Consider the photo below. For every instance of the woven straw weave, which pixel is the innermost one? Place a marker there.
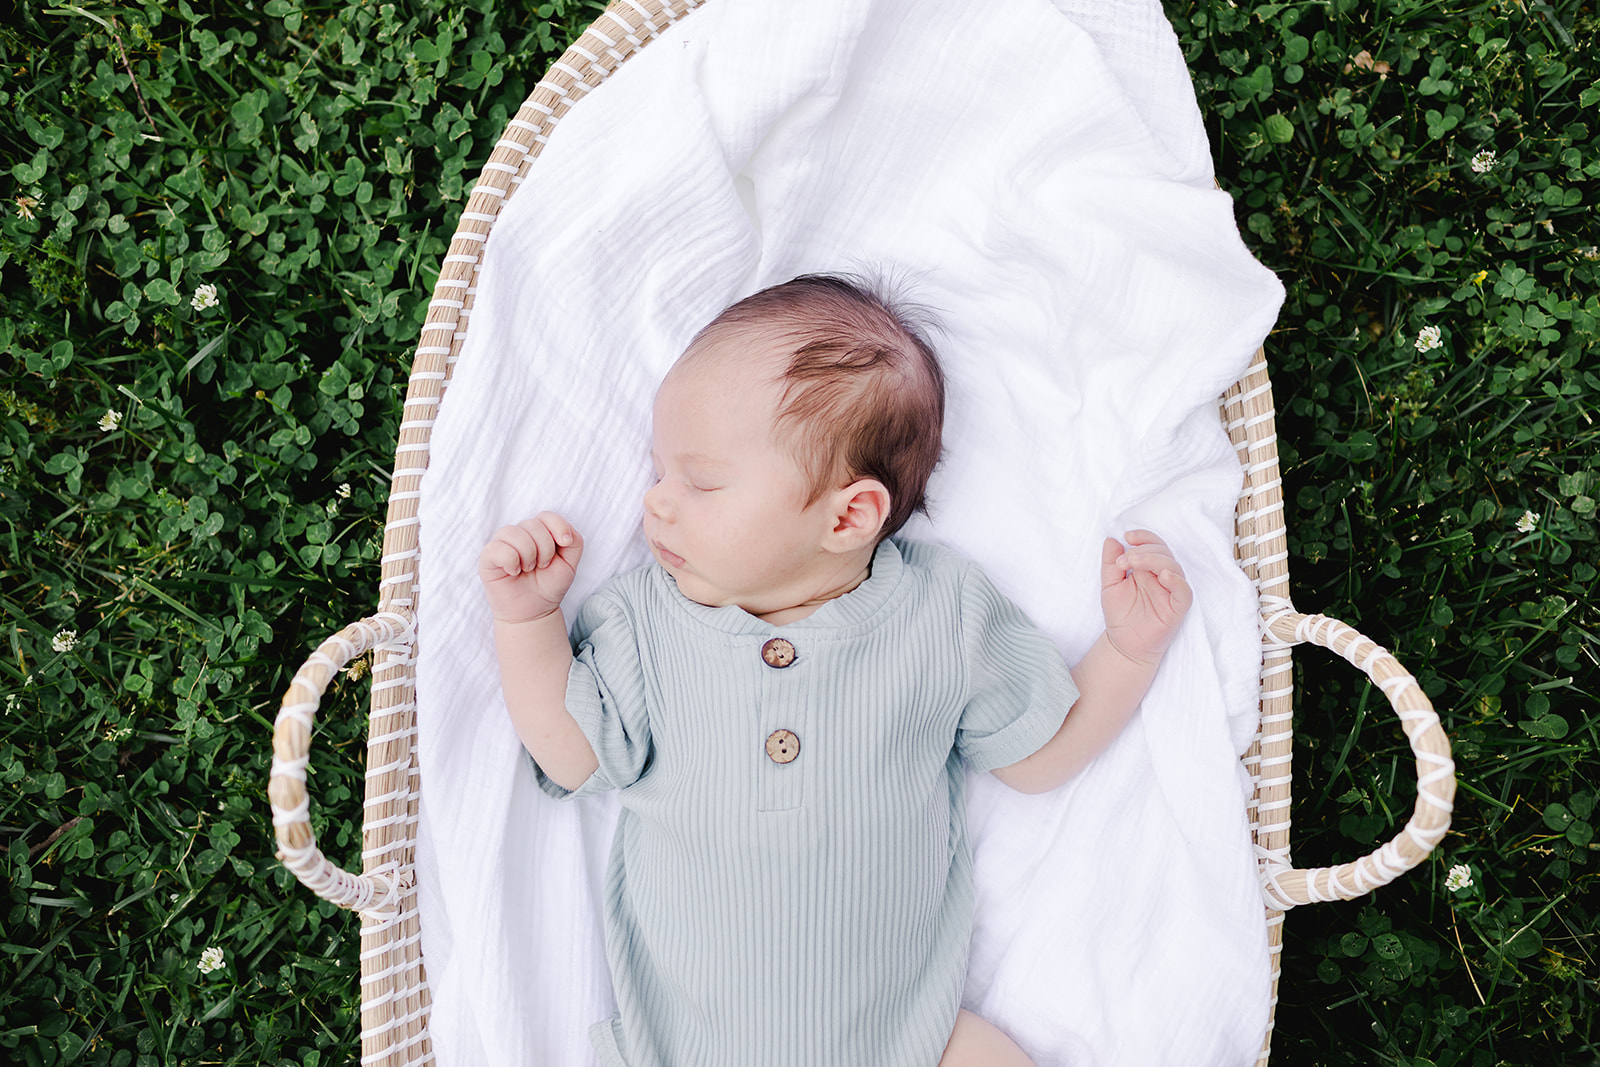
(394, 988)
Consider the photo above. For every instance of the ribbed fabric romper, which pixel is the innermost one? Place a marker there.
(790, 883)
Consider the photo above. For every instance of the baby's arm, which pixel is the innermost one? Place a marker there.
(526, 569)
(1144, 596)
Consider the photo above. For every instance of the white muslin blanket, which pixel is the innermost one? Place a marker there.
(1037, 174)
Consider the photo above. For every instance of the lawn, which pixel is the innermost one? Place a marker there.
(219, 226)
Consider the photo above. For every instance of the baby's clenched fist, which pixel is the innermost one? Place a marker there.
(526, 569)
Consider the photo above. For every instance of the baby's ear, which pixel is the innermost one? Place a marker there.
(860, 510)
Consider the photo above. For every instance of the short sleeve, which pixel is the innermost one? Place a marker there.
(606, 695)
(1018, 687)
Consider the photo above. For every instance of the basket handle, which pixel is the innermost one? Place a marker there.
(376, 895)
(1285, 885)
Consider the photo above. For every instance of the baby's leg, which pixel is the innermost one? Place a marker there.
(979, 1043)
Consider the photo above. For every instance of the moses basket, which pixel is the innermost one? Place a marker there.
(395, 998)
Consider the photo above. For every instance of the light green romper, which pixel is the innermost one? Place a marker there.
(790, 884)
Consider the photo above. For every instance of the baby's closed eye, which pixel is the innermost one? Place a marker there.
(700, 481)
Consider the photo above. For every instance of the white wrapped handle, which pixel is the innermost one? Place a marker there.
(1285, 885)
(375, 895)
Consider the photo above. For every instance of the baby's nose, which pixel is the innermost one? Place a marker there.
(655, 502)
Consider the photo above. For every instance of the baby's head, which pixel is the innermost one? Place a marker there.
(861, 391)
(820, 394)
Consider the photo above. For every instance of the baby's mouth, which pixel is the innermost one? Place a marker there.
(670, 558)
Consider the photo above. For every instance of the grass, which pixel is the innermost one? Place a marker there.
(191, 494)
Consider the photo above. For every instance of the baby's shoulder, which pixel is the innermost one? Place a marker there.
(619, 599)
(933, 564)
(955, 580)
(935, 568)
(628, 585)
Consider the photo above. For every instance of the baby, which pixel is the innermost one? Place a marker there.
(788, 696)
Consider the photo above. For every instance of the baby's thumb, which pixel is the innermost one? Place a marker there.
(573, 549)
(1111, 572)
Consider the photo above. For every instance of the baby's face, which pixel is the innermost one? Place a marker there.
(727, 516)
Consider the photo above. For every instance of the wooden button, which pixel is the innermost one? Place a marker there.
(782, 746)
(778, 652)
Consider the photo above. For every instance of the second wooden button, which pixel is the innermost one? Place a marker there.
(782, 746)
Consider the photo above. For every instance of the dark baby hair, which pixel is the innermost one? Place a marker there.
(863, 392)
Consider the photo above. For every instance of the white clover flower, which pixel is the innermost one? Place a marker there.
(63, 641)
(1428, 339)
(1589, 253)
(1460, 877)
(343, 492)
(25, 206)
(110, 420)
(1528, 521)
(210, 960)
(204, 297)
(1483, 162)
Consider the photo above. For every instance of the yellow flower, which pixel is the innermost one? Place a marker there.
(1477, 279)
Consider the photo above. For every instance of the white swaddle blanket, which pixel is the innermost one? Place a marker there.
(1039, 175)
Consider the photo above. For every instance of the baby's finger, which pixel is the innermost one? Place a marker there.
(498, 559)
(560, 529)
(544, 543)
(1147, 559)
(1143, 537)
(506, 550)
(1148, 584)
(1167, 603)
(1178, 588)
(526, 545)
(1111, 568)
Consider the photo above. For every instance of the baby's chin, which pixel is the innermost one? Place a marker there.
(703, 593)
(689, 584)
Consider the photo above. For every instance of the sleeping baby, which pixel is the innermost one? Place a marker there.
(786, 700)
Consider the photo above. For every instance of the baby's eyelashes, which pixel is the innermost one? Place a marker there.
(687, 483)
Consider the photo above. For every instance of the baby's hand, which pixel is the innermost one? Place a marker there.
(526, 569)
(1143, 594)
